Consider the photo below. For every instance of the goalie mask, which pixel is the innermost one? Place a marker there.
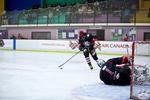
(101, 63)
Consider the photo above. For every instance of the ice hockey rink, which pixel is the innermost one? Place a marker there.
(36, 76)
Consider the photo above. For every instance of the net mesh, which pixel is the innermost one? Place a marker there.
(140, 77)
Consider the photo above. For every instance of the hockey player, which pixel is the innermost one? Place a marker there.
(1, 40)
(86, 43)
(115, 71)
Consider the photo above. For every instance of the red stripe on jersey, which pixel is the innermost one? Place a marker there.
(124, 59)
(111, 63)
(111, 73)
(120, 66)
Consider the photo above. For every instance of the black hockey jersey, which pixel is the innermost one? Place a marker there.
(87, 41)
(112, 74)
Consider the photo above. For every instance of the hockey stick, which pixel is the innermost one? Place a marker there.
(128, 55)
(127, 51)
(60, 66)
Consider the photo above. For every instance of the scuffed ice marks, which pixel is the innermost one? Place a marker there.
(102, 91)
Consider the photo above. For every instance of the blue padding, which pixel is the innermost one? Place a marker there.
(12, 5)
(14, 44)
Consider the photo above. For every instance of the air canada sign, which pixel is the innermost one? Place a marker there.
(114, 45)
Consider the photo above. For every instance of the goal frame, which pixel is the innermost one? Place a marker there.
(133, 64)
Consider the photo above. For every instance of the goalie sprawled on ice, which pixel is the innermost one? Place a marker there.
(115, 71)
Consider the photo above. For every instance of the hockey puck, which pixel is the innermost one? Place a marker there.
(61, 68)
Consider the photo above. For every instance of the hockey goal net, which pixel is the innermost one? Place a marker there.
(140, 71)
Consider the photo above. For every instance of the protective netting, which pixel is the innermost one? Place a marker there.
(141, 82)
(140, 74)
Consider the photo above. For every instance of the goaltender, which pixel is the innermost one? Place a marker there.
(116, 71)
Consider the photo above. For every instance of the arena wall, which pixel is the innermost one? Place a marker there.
(27, 31)
(107, 47)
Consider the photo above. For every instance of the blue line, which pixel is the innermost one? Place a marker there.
(14, 44)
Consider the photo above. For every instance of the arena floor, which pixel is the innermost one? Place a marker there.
(36, 76)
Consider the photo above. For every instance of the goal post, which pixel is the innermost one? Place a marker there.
(140, 71)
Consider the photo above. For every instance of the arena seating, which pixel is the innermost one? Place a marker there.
(89, 13)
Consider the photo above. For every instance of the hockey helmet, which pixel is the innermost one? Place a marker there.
(81, 33)
(101, 62)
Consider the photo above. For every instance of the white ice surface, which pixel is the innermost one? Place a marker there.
(36, 76)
